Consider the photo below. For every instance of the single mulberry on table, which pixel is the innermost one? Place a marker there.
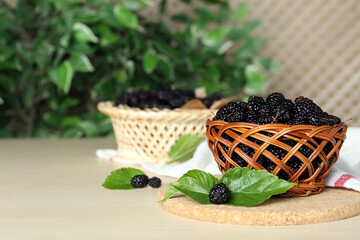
(139, 181)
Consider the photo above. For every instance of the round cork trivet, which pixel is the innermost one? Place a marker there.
(330, 205)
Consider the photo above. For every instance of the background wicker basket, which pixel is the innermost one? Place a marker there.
(224, 141)
(148, 135)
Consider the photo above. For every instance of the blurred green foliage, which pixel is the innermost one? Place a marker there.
(59, 58)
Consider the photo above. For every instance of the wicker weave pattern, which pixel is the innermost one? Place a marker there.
(148, 135)
(316, 41)
(302, 134)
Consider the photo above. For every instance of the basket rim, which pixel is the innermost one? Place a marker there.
(277, 125)
(153, 114)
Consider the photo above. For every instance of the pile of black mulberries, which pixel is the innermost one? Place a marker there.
(162, 98)
(276, 109)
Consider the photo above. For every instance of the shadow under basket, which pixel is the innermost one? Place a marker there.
(303, 154)
(148, 135)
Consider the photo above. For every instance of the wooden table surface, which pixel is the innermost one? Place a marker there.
(51, 189)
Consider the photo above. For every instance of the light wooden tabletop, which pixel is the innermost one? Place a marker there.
(51, 189)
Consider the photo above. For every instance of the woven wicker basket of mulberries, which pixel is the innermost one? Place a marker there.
(148, 133)
(290, 148)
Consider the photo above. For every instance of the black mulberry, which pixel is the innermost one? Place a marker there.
(219, 194)
(155, 182)
(139, 181)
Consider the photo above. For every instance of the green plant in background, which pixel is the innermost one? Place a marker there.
(59, 58)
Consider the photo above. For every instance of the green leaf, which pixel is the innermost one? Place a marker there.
(205, 13)
(135, 4)
(121, 178)
(125, 17)
(70, 133)
(107, 37)
(163, 6)
(193, 193)
(241, 11)
(268, 64)
(204, 180)
(256, 82)
(197, 184)
(250, 26)
(184, 148)
(71, 122)
(167, 68)
(130, 66)
(183, 18)
(52, 118)
(64, 75)
(216, 35)
(121, 76)
(89, 128)
(223, 13)
(68, 103)
(250, 47)
(80, 62)
(252, 187)
(83, 33)
(150, 61)
(170, 192)
(167, 50)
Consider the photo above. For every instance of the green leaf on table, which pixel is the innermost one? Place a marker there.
(125, 17)
(216, 35)
(256, 82)
(241, 11)
(268, 64)
(184, 148)
(65, 73)
(196, 184)
(201, 180)
(252, 187)
(121, 178)
(80, 62)
(170, 192)
(150, 61)
(247, 187)
(83, 33)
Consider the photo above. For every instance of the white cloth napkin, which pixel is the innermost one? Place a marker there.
(202, 159)
(345, 173)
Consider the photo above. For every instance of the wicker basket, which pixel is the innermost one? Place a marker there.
(148, 135)
(224, 141)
